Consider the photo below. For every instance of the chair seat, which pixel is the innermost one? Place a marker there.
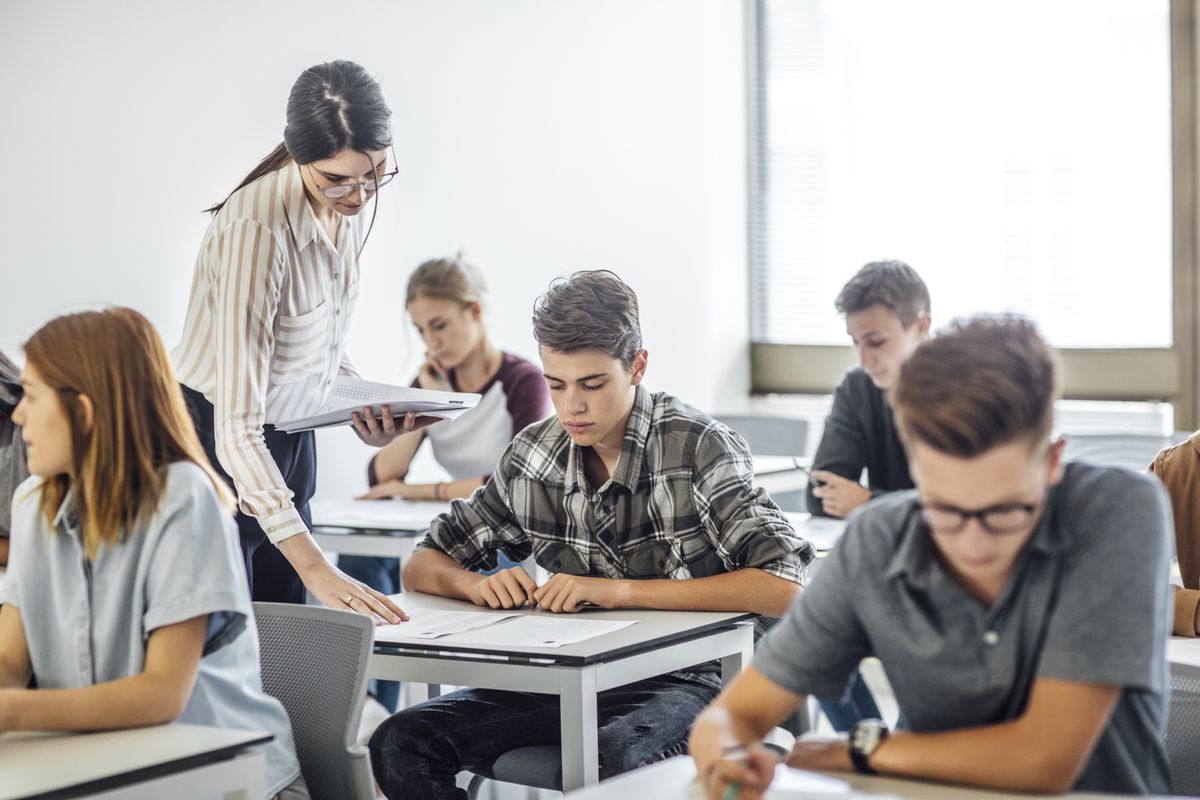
(539, 766)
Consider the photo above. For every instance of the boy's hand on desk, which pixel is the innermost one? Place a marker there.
(508, 588)
(839, 496)
(568, 592)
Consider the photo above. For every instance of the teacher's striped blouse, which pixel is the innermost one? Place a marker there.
(270, 307)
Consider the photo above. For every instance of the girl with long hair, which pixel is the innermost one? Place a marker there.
(126, 594)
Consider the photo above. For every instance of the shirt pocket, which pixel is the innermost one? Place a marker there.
(299, 344)
(649, 558)
(558, 556)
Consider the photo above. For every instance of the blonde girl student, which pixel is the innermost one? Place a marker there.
(445, 299)
(126, 595)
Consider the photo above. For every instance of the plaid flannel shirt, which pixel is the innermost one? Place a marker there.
(680, 504)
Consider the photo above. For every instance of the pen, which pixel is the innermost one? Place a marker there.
(731, 791)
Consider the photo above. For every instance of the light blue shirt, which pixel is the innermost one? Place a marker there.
(88, 622)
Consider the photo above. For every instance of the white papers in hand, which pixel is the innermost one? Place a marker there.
(351, 394)
(433, 624)
(540, 630)
(382, 515)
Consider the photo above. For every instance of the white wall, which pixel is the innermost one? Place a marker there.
(541, 136)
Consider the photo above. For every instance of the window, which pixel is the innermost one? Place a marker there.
(1017, 154)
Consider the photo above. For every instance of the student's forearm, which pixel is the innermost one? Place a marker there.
(437, 573)
(128, 703)
(450, 490)
(1002, 756)
(13, 675)
(393, 461)
(746, 589)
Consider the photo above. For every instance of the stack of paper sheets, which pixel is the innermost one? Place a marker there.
(490, 629)
(351, 394)
(383, 515)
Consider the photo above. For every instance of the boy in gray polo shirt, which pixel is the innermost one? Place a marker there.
(1019, 604)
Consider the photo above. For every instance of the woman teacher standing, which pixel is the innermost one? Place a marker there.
(272, 297)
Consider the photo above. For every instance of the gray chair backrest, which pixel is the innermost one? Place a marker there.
(1132, 450)
(314, 661)
(770, 436)
(1183, 733)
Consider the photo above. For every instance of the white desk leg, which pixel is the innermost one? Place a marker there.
(734, 663)
(578, 725)
(420, 692)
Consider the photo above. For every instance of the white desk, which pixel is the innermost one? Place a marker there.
(1183, 654)
(823, 532)
(779, 474)
(660, 642)
(673, 780)
(387, 528)
(176, 761)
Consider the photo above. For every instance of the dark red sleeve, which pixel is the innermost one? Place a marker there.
(526, 395)
(372, 476)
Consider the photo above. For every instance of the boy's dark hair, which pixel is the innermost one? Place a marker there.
(892, 284)
(982, 382)
(589, 310)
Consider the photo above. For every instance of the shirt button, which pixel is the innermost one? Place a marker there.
(336, 276)
(991, 638)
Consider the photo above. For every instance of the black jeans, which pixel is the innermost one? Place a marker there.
(417, 752)
(272, 578)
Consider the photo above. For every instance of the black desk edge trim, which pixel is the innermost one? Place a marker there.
(226, 753)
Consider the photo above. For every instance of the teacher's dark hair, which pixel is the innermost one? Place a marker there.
(332, 106)
(10, 387)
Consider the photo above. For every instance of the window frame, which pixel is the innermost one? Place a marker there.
(1151, 374)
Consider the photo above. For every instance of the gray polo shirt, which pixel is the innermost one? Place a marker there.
(88, 622)
(1088, 601)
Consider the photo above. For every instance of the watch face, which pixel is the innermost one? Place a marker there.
(866, 736)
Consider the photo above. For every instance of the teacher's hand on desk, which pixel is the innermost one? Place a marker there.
(336, 589)
(378, 432)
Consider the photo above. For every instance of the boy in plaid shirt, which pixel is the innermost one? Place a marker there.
(631, 499)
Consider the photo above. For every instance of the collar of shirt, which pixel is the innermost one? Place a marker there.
(66, 520)
(915, 557)
(302, 220)
(633, 449)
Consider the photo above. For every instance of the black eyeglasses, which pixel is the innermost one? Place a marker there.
(996, 520)
(369, 185)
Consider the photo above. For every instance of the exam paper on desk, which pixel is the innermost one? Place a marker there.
(540, 630)
(434, 624)
(797, 784)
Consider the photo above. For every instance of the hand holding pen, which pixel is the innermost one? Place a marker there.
(743, 772)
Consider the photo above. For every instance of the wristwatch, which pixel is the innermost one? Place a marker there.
(865, 736)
